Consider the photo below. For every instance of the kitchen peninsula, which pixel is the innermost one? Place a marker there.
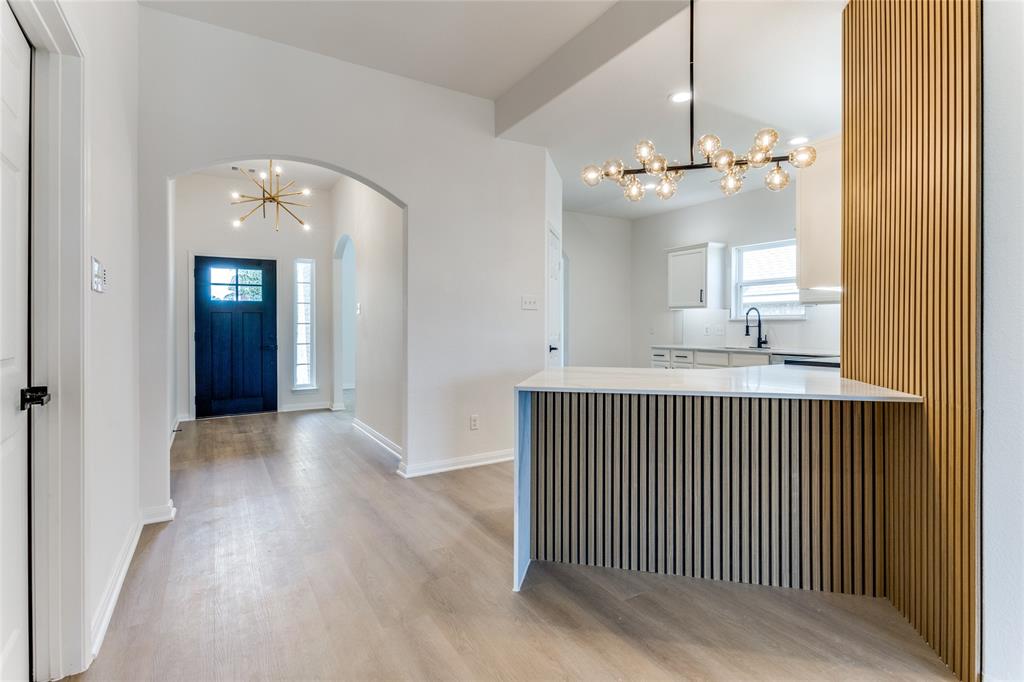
(770, 475)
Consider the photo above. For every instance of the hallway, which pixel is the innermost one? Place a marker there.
(298, 553)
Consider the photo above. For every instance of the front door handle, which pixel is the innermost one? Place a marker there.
(34, 395)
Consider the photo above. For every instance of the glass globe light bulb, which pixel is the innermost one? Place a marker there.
(766, 138)
(644, 151)
(723, 160)
(235, 195)
(758, 157)
(802, 157)
(656, 165)
(236, 223)
(731, 183)
(708, 145)
(777, 179)
(591, 176)
(675, 175)
(612, 169)
(634, 190)
(666, 188)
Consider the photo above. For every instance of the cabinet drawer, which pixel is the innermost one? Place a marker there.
(703, 357)
(659, 364)
(659, 355)
(683, 356)
(749, 359)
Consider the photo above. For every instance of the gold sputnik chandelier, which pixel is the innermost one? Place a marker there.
(271, 194)
(732, 166)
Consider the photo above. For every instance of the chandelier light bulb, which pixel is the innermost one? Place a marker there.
(777, 179)
(236, 223)
(644, 151)
(723, 160)
(612, 169)
(277, 169)
(731, 183)
(591, 176)
(766, 138)
(263, 175)
(235, 195)
(675, 175)
(656, 165)
(802, 157)
(634, 190)
(307, 227)
(680, 97)
(306, 191)
(708, 145)
(666, 189)
(757, 157)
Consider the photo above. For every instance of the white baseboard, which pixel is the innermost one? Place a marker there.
(105, 610)
(337, 407)
(159, 513)
(477, 460)
(380, 438)
(301, 407)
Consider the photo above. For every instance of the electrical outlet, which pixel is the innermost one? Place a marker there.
(719, 330)
(529, 303)
(707, 330)
(474, 422)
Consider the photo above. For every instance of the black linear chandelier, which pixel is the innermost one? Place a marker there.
(733, 167)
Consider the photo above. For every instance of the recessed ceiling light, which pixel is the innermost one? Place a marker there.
(679, 97)
(798, 140)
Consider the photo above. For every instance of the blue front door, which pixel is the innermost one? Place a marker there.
(236, 336)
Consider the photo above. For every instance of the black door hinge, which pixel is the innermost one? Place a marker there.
(34, 395)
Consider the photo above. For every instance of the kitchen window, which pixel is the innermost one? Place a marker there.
(305, 324)
(764, 277)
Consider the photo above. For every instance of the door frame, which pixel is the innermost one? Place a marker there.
(61, 632)
(190, 268)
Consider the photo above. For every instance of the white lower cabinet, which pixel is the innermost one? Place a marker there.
(748, 359)
(665, 357)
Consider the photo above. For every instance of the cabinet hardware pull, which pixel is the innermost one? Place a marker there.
(701, 295)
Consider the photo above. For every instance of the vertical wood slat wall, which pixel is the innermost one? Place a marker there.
(910, 279)
(764, 491)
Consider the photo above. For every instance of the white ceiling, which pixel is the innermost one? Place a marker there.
(758, 63)
(479, 48)
(304, 174)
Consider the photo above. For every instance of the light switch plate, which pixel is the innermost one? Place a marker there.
(99, 276)
(529, 303)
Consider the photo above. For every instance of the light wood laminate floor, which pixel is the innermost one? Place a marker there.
(298, 553)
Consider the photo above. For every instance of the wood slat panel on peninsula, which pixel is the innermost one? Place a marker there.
(764, 491)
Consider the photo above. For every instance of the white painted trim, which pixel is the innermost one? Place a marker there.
(453, 463)
(380, 438)
(337, 407)
(312, 323)
(303, 407)
(348, 386)
(159, 514)
(105, 609)
(59, 343)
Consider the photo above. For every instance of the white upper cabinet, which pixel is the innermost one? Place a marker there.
(695, 276)
(819, 224)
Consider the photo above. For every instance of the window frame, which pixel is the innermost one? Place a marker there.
(312, 385)
(738, 282)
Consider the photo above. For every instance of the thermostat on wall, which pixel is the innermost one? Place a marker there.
(99, 276)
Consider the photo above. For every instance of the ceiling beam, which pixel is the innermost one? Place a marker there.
(626, 22)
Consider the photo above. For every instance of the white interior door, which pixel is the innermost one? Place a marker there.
(554, 300)
(15, 70)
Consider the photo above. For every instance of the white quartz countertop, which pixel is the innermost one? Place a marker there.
(769, 381)
(809, 352)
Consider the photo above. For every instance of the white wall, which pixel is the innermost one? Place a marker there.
(597, 249)
(475, 220)
(375, 225)
(343, 293)
(1002, 467)
(202, 224)
(107, 33)
(746, 218)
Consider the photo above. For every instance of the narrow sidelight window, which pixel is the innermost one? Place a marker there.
(305, 323)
